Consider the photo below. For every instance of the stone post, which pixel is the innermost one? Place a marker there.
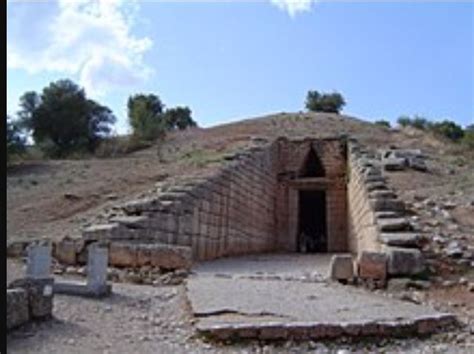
(39, 261)
(97, 270)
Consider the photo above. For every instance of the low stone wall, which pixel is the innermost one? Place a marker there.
(377, 220)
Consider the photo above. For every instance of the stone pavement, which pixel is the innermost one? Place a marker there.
(284, 296)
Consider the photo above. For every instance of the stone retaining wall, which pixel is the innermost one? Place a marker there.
(377, 218)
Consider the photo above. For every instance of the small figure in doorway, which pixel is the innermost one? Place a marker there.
(303, 242)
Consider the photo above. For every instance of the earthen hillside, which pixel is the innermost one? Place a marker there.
(55, 198)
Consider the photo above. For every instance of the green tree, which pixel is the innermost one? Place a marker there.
(63, 120)
(448, 129)
(404, 121)
(145, 115)
(417, 122)
(330, 103)
(15, 140)
(179, 118)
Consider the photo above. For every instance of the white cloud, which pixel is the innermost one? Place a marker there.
(88, 38)
(292, 7)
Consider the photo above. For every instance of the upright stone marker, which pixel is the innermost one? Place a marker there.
(97, 270)
(39, 261)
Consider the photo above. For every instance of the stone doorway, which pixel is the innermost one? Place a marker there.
(312, 222)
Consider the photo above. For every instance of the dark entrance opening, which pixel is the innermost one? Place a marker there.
(312, 228)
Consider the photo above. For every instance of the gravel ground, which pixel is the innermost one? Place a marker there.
(147, 319)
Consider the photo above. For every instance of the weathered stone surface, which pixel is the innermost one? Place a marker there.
(17, 308)
(394, 224)
(65, 251)
(131, 221)
(40, 295)
(372, 265)
(17, 248)
(102, 232)
(387, 194)
(123, 254)
(404, 261)
(129, 254)
(394, 164)
(387, 214)
(239, 306)
(402, 239)
(97, 270)
(388, 205)
(38, 264)
(341, 267)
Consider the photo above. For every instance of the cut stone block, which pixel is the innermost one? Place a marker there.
(97, 270)
(17, 248)
(404, 261)
(388, 214)
(102, 232)
(402, 239)
(394, 164)
(130, 254)
(372, 265)
(375, 186)
(383, 194)
(394, 224)
(388, 205)
(17, 308)
(132, 222)
(40, 295)
(341, 267)
(65, 251)
(38, 265)
(123, 254)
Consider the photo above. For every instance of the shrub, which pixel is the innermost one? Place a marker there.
(448, 129)
(330, 103)
(382, 123)
(468, 139)
(120, 145)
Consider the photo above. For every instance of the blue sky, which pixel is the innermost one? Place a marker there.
(229, 61)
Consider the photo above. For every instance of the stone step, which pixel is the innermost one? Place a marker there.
(388, 205)
(401, 239)
(132, 222)
(394, 224)
(383, 194)
(388, 214)
(404, 261)
(376, 186)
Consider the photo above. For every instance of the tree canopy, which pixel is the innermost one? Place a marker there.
(149, 119)
(63, 120)
(324, 102)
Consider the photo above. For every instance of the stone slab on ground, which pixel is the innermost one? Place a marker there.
(231, 305)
